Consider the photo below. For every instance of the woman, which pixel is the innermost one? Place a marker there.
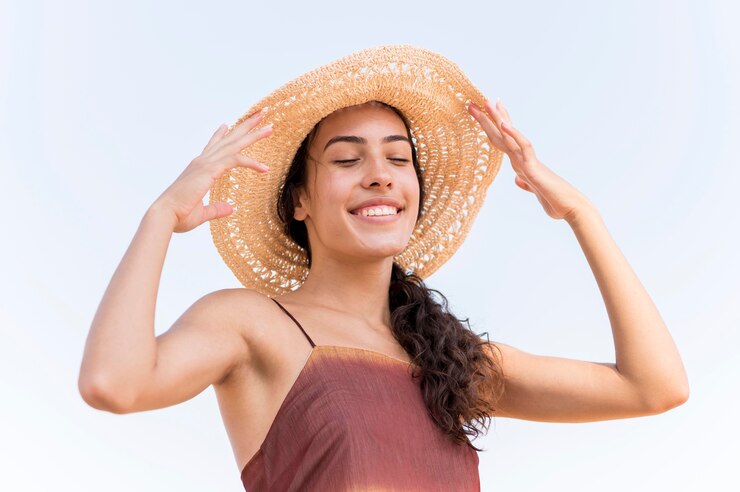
(336, 368)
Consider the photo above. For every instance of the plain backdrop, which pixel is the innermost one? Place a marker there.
(102, 104)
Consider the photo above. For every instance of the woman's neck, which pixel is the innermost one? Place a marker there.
(359, 288)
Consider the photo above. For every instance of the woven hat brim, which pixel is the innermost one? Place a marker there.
(457, 161)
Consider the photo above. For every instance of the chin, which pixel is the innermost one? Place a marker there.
(383, 251)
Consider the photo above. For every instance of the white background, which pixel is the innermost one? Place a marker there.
(102, 104)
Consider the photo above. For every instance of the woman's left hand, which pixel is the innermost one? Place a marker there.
(558, 197)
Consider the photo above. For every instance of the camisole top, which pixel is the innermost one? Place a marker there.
(355, 420)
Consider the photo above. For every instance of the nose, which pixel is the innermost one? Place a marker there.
(377, 173)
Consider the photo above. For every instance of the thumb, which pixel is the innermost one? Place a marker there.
(521, 183)
(217, 210)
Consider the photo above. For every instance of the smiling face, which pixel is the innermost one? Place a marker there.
(359, 172)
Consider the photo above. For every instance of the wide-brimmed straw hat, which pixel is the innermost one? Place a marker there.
(457, 161)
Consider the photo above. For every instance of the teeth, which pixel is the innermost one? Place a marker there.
(371, 212)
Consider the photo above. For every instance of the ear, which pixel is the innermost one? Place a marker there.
(300, 211)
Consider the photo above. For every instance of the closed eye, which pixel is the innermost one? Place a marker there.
(344, 161)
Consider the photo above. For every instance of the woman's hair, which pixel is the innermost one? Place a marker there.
(459, 378)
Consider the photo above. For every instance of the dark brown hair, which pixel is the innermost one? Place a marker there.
(459, 378)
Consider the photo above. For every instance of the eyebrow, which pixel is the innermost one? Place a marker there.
(361, 140)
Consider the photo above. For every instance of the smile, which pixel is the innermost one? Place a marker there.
(377, 219)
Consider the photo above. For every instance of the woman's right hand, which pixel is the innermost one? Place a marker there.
(184, 197)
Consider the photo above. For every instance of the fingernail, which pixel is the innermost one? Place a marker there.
(264, 167)
(267, 128)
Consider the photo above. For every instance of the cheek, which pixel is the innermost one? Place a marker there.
(412, 185)
(333, 192)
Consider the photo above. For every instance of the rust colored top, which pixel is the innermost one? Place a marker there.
(355, 420)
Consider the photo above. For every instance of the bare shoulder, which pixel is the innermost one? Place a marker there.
(205, 346)
(227, 322)
(233, 305)
(244, 313)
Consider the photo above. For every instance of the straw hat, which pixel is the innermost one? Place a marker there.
(457, 161)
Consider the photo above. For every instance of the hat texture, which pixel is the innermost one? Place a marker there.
(457, 161)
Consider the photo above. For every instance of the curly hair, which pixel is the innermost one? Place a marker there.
(460, 379)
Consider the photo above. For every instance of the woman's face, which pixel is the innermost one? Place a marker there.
(359, 154)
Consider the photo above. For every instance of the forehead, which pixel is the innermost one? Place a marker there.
(369, 119)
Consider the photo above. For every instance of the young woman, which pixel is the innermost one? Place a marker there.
(337, 369)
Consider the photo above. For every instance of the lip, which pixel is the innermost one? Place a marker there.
(378, 219)
(379, 201)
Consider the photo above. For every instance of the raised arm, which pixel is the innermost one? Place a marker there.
(121, 348)
(125, 367)
(648, 376)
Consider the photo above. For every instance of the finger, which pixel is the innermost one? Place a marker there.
(216, 211)
(248, 139)
(498, 118)
(494, 134)
(246, 161)
(218, 135)
(503, 111)
(521, 141)
(521, 183)
(246, 125)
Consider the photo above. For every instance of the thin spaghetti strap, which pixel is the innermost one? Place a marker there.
(296, 322)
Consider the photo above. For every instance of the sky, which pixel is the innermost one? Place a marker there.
(635, 103)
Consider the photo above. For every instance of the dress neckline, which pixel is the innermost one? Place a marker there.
(314, 349)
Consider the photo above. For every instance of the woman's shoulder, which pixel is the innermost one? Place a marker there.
(243, 309)
(263, 327)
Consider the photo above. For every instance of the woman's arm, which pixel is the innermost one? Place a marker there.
(121, 347)
(648, 376)
(646, 355)
(125, 368)
(124, 365)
